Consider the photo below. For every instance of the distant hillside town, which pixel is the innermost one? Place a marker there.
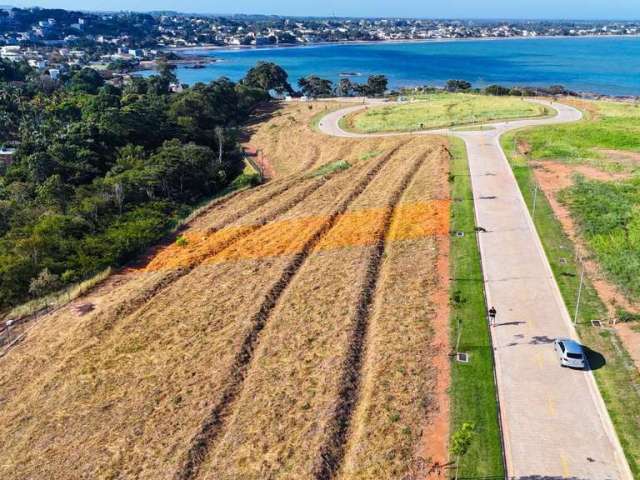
(56, 40)
(83, 36)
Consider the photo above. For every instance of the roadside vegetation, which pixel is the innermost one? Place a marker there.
(608, 214)
(617, 376)
(473, 391)
(606, 138)
(437, 110)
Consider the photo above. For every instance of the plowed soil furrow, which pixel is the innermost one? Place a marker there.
(233, 212)
(277, 427)
(150, 382)
(402, 411)
(258, 347)
(208, 244)
(132, 295)
(212, 425)
(332, 451)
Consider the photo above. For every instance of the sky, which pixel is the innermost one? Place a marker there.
(513, 9)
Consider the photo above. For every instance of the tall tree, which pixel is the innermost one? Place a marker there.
(377, 85)
(344, 88)
(268, 76)
(314, 86)
(457, 86)
(86, 80)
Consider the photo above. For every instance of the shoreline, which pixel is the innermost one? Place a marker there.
(589, 89)
(243, 48)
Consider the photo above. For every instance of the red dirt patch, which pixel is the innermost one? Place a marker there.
(626, 159)
(433, 445)
(554, 177)
(631, 340)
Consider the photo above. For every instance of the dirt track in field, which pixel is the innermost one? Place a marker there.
(301, 332)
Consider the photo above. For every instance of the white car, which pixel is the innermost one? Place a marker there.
(570, 353)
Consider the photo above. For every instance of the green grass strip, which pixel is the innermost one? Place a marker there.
(473, 393)
(332, 167)
(618, 379)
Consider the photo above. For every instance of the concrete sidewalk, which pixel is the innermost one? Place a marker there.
(555, 424)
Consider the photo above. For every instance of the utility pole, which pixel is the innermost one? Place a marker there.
(575, 317)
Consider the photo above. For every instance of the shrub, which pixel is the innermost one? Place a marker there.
(182, 241)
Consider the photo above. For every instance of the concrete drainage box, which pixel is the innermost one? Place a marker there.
(462, 357)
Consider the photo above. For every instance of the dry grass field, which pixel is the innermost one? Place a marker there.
(290, 146)
(299, 330)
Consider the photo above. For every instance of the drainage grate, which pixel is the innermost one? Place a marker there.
(460, 234)
(462, 357)
(596, 323)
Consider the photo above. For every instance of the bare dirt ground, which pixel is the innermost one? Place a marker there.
(554, 177)
(301, 330)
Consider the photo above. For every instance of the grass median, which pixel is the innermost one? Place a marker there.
(440, 110)
(473, 392)
(617, 378)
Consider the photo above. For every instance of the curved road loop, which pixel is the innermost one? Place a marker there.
(554, 422)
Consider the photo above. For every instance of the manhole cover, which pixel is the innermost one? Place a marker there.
(462, 357)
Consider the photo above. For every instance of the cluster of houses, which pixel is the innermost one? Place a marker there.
(45, 31)
(181, 30)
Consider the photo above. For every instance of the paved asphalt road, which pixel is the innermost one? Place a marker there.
(555, 424)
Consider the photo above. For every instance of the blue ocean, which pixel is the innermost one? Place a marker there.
(607, 65)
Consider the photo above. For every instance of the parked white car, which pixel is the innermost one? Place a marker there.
(570, 353)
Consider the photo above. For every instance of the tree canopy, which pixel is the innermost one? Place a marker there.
(268, 76)
(100, 173)
(314, 86)
(457, 86)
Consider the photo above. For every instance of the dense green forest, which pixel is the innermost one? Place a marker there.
(100, 173)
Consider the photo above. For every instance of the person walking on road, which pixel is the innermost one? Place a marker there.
(492, 316)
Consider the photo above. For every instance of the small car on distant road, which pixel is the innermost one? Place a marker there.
(570, 353)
